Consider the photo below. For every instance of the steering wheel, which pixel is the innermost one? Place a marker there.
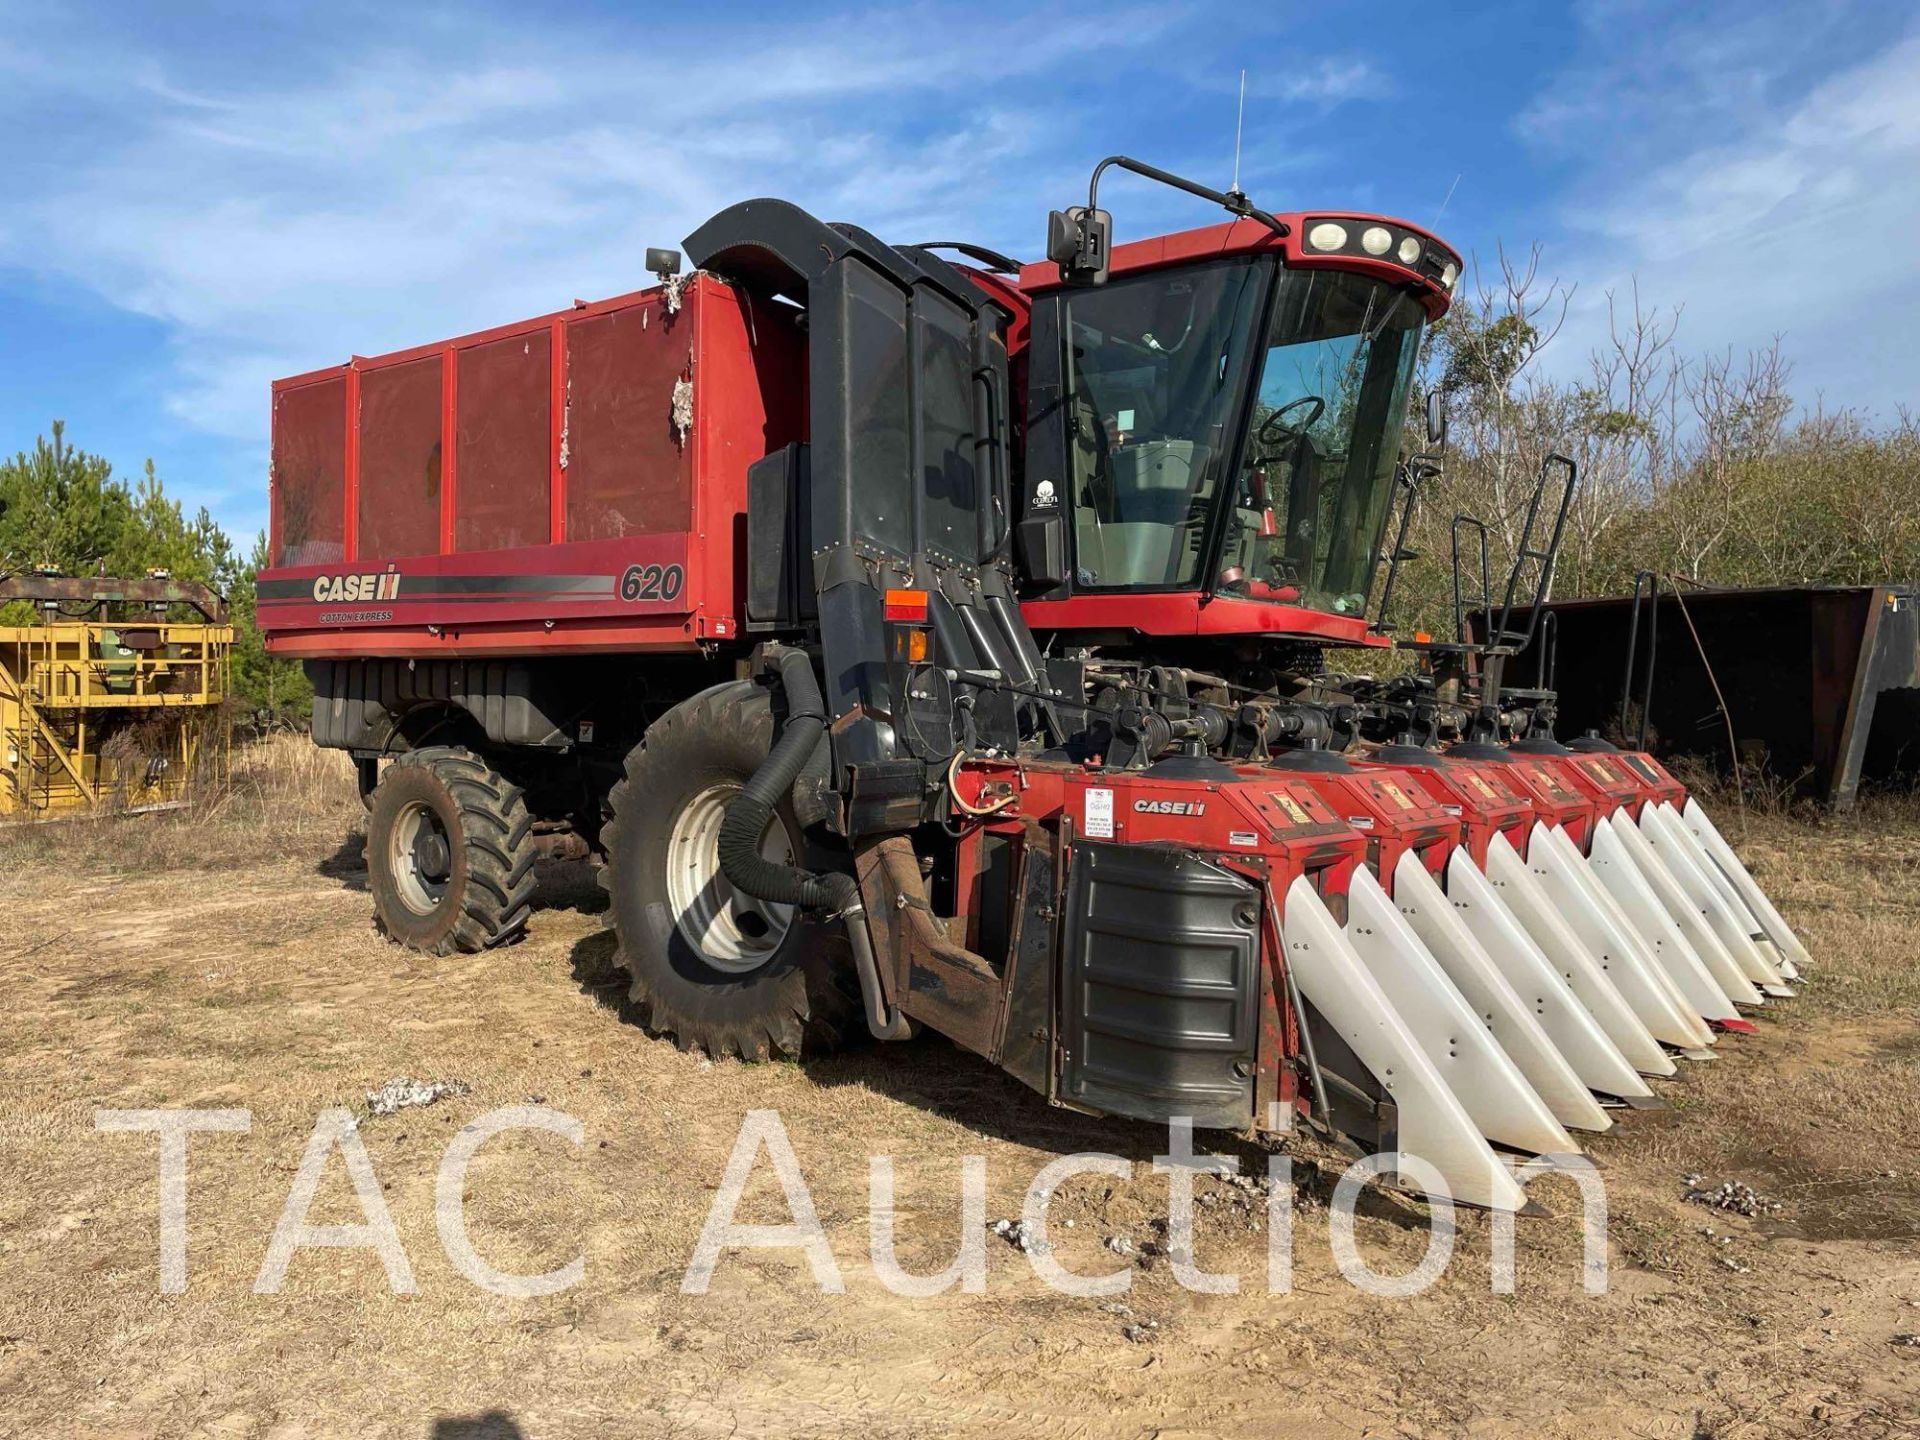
(1278, 435)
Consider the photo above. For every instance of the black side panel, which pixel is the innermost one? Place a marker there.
(779, 540)
(1026, 1044)
(1043, 509)
(356, 702)
(1160, 985)
(773, 244)
(863, 415)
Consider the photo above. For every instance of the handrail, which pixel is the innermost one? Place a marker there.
(1409, 476)
(1501, 638)
(1651, 582)
(1461, 519)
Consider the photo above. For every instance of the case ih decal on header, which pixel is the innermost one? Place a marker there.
(729, 584)
(1195, 808)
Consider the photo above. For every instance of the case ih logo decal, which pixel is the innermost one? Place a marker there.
(637, 582)
(335, 589)
(1170, 807)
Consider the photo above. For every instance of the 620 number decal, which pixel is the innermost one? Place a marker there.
(652, 582)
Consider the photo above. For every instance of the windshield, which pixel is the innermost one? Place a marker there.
(1316, 478)
(1155, 366)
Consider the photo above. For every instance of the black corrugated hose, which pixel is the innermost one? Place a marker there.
(741, 862)
(749, 871)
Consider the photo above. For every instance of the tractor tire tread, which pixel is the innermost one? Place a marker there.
(498, 832)
(816, 999)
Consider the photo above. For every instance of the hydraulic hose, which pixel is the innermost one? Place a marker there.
(750, 872)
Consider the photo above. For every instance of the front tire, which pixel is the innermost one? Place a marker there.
(718, 970)
(449, 853)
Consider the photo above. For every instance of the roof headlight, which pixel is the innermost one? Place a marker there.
(1448, 274)
(1376, 240)
(1409, 250)
(1327, 236)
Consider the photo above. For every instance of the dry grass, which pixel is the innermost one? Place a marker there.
(226, 959)
(283, 790)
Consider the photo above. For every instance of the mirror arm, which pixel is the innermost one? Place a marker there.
(1233, 201)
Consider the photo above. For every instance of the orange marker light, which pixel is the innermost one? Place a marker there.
(908, 644)
(910, 605)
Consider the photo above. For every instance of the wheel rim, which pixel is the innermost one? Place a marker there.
(732, 932)
(420, 855)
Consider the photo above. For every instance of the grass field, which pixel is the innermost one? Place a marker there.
(225, 958)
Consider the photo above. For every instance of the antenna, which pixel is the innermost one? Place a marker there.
(1449, 200)
(1239, 123)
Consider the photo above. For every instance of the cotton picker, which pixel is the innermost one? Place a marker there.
(939, 642)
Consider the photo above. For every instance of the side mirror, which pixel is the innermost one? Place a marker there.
(663, 263)
(1077, 241)
(1436, 419)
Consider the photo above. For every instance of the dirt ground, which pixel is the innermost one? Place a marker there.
(227, 959)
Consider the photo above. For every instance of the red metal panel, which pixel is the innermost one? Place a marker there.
(1603, 779)
(1657, 782)
(502, 440)
(309, 471)
(1185, 613)
(350, 510)
(539, 597)
(449, 451)
(398, 499)
(627, 471)
(1555, 801)
(673, 578)
(557, 441)
(1485, 802)
(1396, 813)
(749, 399)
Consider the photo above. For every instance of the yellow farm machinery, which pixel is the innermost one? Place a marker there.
(111, 694)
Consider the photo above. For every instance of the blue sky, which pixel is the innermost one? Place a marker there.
(201, 197)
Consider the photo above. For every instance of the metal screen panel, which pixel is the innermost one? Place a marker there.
(399, 490)
(627, 471)
(309, 472)
(503, 444)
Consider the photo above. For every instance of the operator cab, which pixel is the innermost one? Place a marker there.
(1221, 419)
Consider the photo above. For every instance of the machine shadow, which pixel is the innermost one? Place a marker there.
(569, 885)
(348, 863)
(934, 1075)
(493, 1425)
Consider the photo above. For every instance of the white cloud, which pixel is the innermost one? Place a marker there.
(1329, 80)
(398, 174)
(1791, 219)
(356, 201)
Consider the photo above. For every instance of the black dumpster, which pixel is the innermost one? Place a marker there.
(1817, 687)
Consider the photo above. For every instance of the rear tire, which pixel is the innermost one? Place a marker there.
(449, 853)
(722, 972)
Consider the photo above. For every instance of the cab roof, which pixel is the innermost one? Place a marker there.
(1253, 237)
